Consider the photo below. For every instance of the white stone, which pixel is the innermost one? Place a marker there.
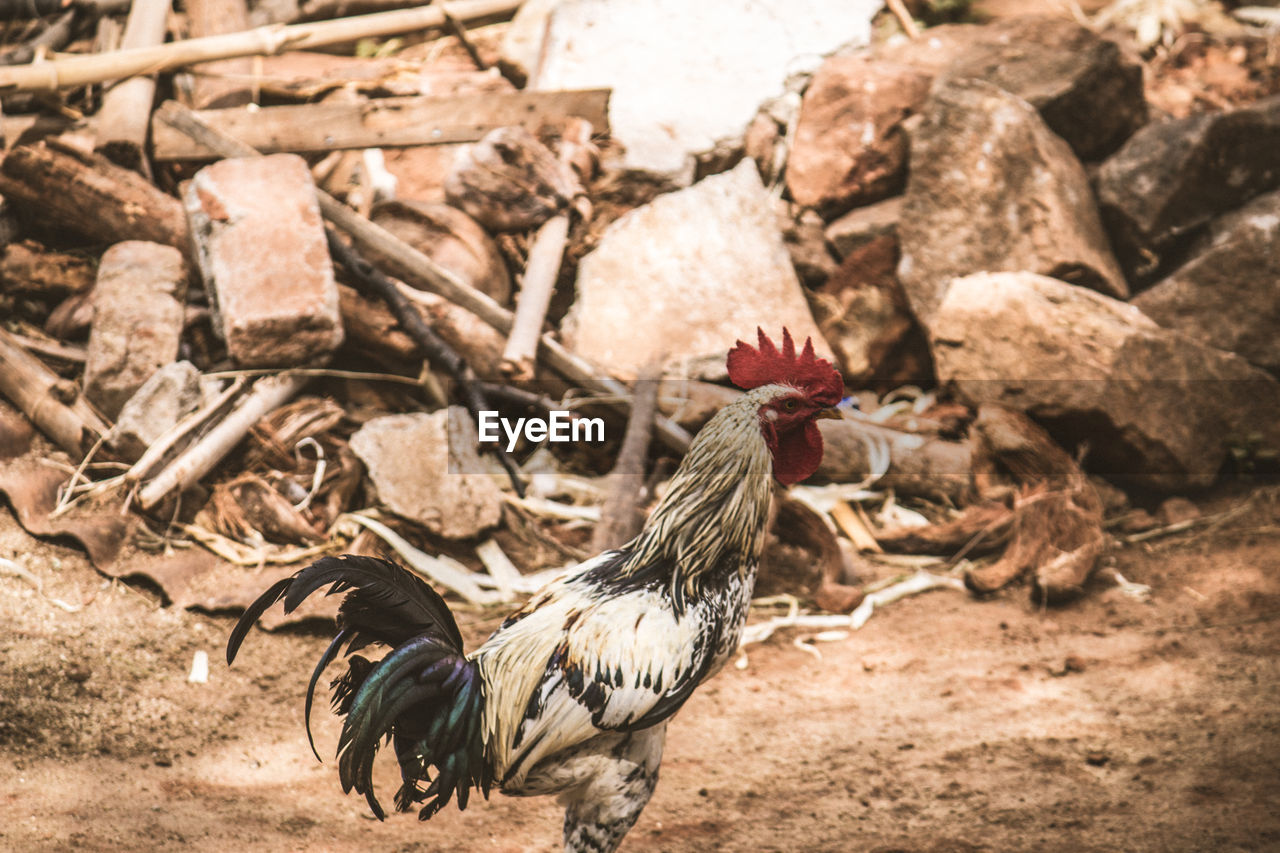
(428, 474)
(682, 278)
(686, 74)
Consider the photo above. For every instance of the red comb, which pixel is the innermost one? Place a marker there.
(750, 368)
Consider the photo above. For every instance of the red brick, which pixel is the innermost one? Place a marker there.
(262, 252)
(137, 320)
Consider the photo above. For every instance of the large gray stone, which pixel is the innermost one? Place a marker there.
(685, 75)
(685, 276)
(993, 189)
(1228, 295)
(1150, 405)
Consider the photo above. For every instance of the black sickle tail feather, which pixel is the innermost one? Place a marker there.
(430, 699)
(425, 694)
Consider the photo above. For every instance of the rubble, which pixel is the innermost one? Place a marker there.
(863, 313)
(264, 261)
(924, 215)
(1155, 408)
(510, 181)
(678, 280)
(137, 320)
(1226, 296)
(992, 188)
(1087, 90)
(862, 225)
(850, 144)
(450, 238)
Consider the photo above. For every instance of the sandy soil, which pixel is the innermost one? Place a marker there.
(946, 724)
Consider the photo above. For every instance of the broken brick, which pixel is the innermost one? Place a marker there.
(137, 320)
(263, 255)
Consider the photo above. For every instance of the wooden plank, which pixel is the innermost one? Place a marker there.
(383, 123)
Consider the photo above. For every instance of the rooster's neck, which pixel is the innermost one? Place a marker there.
(711, 522)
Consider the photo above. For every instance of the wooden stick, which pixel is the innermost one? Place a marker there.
(49, 401)
(542, 269)
(161, 446)
(90, 196)
(56, 36)
(622, 515)
(899, 10)
(268, 394)
(126, 107)
(380, 123)
(323, 10)
(74, 71)
(430, 345)
(415, 268)
(540, 274)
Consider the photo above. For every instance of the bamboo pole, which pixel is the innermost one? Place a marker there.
(268, 394)
(126, 108)
(71, 71)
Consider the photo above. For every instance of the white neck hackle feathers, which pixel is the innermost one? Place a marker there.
(715, 508)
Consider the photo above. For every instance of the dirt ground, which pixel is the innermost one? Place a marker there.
(945, 724)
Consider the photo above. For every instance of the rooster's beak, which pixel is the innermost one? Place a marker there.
(832, 413)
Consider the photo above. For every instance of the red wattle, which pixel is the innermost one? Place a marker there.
(796, 454)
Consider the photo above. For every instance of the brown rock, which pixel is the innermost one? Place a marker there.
(806, 244)
(509, 181)
(863, 313)
(849, 146)
(137, 320)
(1153, 407)
(265, 260)
(992, 188)
(1174, 176)
(1228, 295)
(1085, 88)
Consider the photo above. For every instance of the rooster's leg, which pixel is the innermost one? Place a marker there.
(599, 813)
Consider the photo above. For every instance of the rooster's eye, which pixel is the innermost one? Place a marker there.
(790, 405)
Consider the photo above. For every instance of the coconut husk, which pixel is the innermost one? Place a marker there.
(1057, 533)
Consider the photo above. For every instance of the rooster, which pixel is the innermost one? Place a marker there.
(572, 693)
